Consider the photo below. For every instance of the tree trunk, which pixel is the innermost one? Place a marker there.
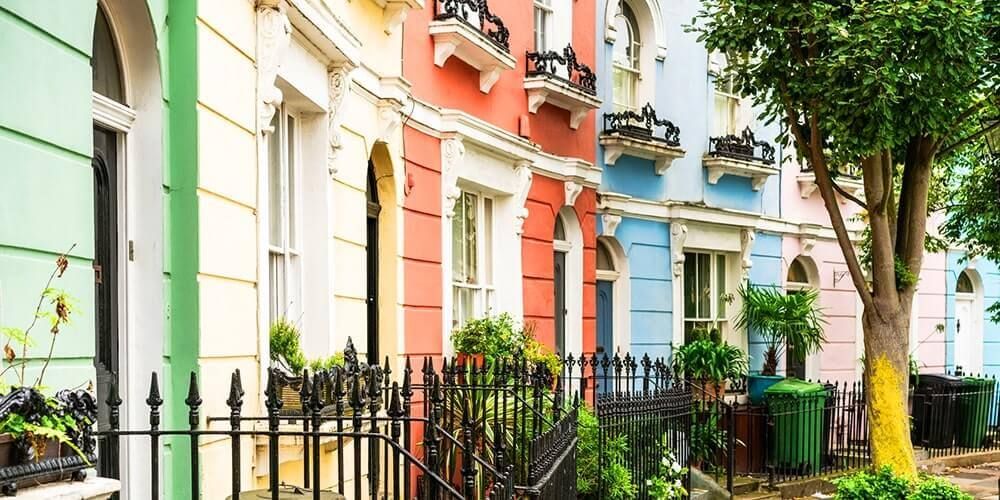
(886, 382)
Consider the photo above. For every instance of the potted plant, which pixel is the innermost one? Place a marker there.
(288, 362)
(42, 438)
(709, 365)
(789, 324)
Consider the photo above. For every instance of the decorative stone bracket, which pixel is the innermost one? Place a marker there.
(338, 86)
(573, 190)
(394, 12)
(609, 224)
(452, 157)
(524, 177)
(747, 237)
(808, 186)
(456, 37)
(758, 173)
(542, 89)
(274, 34)
(616, 145)
(678, 234)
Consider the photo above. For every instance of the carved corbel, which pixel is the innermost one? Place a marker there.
(524, 176)
(389, 119)
(274, 33)
(747, 237)
(609, 223)
(573, 190)
(678, 234)
(338, 86)
(452, 157)
(807, 243)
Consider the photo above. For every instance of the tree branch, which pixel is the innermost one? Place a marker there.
(849, 196)
(945, 151)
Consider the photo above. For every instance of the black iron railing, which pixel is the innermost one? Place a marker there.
(563, 66)
(477, 14)
(742, 147)
(644, 125)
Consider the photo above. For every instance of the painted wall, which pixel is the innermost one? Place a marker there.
(765, 255)
(647, 245)
(989, 279)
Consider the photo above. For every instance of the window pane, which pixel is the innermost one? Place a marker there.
(471, 269)
(457, 248)
(464, 305)
(292, 179)
(487, 231)
(274, 182)
(604, 260)
(276, 285)
(105, 68)
(720, 285)
(704, 286)
(690, 286)
(797, 272)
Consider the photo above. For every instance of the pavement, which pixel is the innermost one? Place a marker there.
(980, 481)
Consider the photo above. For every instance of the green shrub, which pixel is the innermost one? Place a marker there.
(668, 483)
(492, 336)
(884, 485)
(707, 360)
(286, 346)
(616, 477)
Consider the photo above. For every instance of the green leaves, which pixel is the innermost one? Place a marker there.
(782, 320)
(707, 360)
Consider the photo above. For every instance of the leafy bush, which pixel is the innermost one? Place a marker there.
(286, 346)
(707, 435)
(327, 363)
(615, 475)
(668, 483)
(707, 360)
(499, 337)
(782, 320)
(885, 485)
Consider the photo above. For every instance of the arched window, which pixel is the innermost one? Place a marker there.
(797, 273)
(105, 63)
(964, 284)
(604, 260)
(626, 53)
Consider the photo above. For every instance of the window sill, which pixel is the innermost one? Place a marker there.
(807, 185)
(394, 12)
(454, 37)
(617, 144)
(556, 91)
(757, 171)
(93, 488)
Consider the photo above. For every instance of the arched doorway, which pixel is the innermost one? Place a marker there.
(560, 247)
(802, 276)
(968, 323)
(607, 276)
(372, 258)
(567, 276)
(108, 83)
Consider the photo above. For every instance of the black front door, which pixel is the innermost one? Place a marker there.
(372, 263)
(105, 166)
(559, 277)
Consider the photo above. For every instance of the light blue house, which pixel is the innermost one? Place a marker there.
(690, 200)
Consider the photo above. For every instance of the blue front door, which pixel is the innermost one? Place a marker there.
(605, 318)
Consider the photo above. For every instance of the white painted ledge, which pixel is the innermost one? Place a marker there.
(394, 12)
(96, 488)
(617, 144)
(758, 172)
(808, 186)
(543, 89)
(453, 37)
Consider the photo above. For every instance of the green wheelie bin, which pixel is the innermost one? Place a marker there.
(974, 402)
(797, 409)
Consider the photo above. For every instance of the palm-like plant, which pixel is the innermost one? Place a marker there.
(707, 361)
(781, 320)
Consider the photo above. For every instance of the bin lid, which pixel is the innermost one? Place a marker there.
(977, 381)
(939, 380)
(795, 387)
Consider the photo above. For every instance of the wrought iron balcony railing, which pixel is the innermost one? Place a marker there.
(643, 125)
(742, 147)
(477, 14)
(551, 63)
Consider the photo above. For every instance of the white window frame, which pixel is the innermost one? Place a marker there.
(542, 16)
(289, 304)
(714, 318)
(633, 72)
(484, 285)
(724, 91)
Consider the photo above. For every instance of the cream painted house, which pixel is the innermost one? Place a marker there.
(299, 122)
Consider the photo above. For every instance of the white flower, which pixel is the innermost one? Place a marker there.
(665, 461)
(649, 483)
(676, 468)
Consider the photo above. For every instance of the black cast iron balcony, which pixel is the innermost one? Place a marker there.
(643, 126)
(477, 14)
(564, 67)
(744, 147)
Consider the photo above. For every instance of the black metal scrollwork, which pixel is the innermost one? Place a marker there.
(642, 125)
(549, 62)
(476, 12)
(743, 147)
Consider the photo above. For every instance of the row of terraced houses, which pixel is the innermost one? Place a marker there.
(386, 170)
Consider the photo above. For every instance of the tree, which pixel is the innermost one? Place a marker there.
(887, 85)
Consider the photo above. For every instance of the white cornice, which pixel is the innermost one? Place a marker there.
(625, 205)
(326, 31)
(443, 123)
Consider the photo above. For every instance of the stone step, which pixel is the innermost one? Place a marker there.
(742, 485)
(759, 495)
